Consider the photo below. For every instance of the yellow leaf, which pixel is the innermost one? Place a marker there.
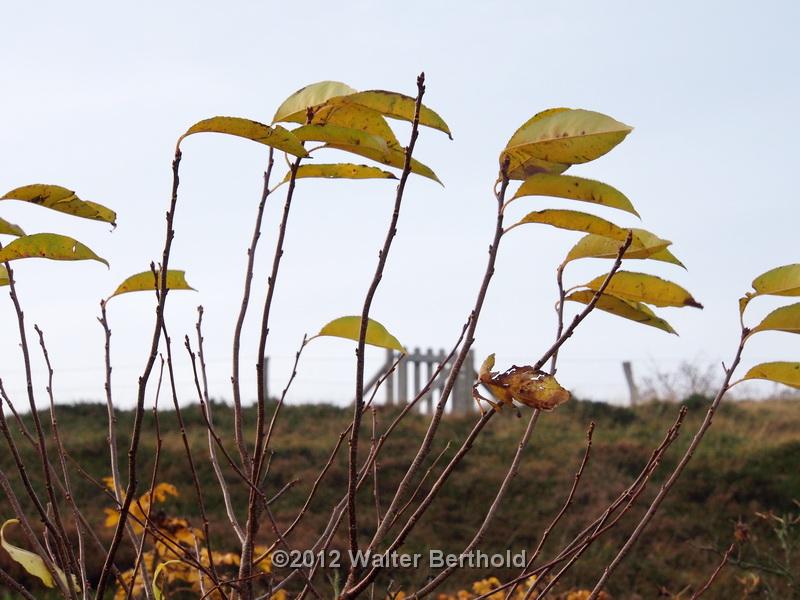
(342, 136)
(569, 136)
(643, 245)
(277, 137)
(574, 221)
(641, 287)
(392, 157)
(521, 164)
(146, 282)
(787, 373)
(32, 563)
(62, 200)
(354, 116)
(487, 366)
(783, 281)
(574, 188)
(340, 171)
(295, 107)
(3, 276)
(786, 318)
(635, 311)
(397, 106)
(48, 245)
(349, 328)
(157, 593)
(7, 228)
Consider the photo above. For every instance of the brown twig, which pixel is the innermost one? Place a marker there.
(68, 496)
(352, 472)
(405, 484)
(55, 525)
(511, 474)
(676, 472)
(189, 457)
(139, 563)
(15, 585)
(133, 481)
(212, 450)
(715, 574)
(251, 526)
(237, 335)
(546, 533)
(567, 333)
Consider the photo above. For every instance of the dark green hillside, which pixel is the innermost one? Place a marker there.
(748, 464)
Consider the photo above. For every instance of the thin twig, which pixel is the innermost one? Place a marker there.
(212, 451)
(133, 481)
(56, 525)
(511, 474)
(68, 495)
(189, 457)
(676, 472)
(237, 335)
(139, 562)
(716, 573)
(352, 471)
(252, 524)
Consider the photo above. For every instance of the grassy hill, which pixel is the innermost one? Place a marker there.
(749, 465)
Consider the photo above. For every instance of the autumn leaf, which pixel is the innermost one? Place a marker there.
(295, 107)
(643, 245)
(350, 328)
(146, 282)
(573, 220)
(524, 384)
(340, 171)
(7, 228)
(31, 562)
(781, 281)
(574, 188)
(62, 200)
(48, 245)
(785, 318)
(641, 287)
(787, 373)
(634, 311)
(566, 136)
(276, 136)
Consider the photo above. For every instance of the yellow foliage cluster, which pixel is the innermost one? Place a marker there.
(172, 538)
(485, 586)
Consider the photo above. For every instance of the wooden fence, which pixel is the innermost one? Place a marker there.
(415, 370)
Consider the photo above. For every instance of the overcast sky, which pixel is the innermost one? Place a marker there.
(94, 95)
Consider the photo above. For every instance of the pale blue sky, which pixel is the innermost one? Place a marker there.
(94, 95)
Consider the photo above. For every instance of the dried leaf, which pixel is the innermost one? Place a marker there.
(525, 385)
